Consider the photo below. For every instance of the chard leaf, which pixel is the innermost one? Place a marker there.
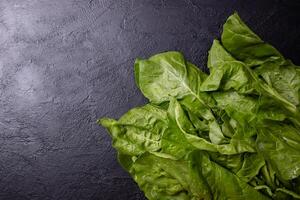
(162, 178)
(245, 45)
(285, 79)
(168, 75)
(226, 72)
(280, 145)
(223, 183)
(138, 131)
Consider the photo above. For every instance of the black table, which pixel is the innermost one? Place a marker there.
(65, 63)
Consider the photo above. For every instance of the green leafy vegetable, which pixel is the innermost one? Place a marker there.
(245, 45)
(232, 134)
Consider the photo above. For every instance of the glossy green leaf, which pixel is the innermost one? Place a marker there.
(226, 72)
(224, 184)
(138, 131)
(245, 45)
(162, 178)
(280, 145)
(168, 75)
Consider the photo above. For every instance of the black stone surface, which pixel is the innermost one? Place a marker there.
(65, 63)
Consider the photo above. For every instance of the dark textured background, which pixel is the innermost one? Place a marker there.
(65, 63)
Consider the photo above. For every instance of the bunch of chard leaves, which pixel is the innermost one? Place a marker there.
(232, 134)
